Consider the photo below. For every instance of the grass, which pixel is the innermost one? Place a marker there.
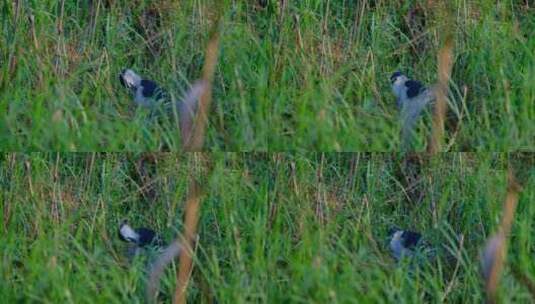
(304, 227)
(295, 75)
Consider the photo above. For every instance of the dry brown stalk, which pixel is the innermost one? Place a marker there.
(182, 247)
(445, 64)
(190, 231)
(196, 140)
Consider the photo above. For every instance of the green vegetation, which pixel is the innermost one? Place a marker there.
(273, 228)
(292, 75)
(60, 75)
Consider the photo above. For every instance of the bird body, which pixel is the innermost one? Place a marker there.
(405, 89)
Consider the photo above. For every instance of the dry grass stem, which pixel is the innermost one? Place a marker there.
(445, 63)
(446, 22)
(190, 231)
(495, 251)
(196, 140)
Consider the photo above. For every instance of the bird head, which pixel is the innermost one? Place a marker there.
(398, 78)
(391, 230)
(398, 81)
(129, 79)
(127, 234)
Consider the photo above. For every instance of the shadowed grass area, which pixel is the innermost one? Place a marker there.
(293, 75)
(273, 227)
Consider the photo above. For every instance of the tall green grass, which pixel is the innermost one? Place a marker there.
(62, 90)
(334, 58)
(273, 227)
(295, 75)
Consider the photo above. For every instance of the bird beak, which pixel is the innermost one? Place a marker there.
(121, 79)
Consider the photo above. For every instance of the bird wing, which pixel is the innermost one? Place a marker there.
(151, 89)
(410, 239)
(146, 236)
(414, 88)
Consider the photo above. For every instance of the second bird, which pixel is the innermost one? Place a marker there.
(412, 98)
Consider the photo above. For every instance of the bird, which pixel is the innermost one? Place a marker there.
(165, 254)
(147, 93)
(404, 88)
(403, 243)
(140, 237)
(412, 97)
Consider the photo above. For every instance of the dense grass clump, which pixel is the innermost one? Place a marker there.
(291, 75)
(273, 227)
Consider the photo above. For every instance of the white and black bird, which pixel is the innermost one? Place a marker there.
(141, 237)
(406, 89)
(403, 243)
(149, 94)
(412, 98)
(146, 92)
(165, 254)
